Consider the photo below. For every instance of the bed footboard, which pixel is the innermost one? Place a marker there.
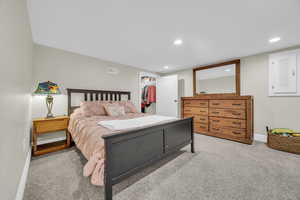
(129, 152)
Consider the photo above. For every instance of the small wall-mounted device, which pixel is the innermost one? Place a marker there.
(112, 70)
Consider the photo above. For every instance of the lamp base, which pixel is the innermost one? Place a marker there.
(49, 103)
(50, 115)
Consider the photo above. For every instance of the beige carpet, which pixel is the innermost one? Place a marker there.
(220, 170)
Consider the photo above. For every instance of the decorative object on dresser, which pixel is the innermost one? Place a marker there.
(48, 125)
(225, 116)
(48, 88)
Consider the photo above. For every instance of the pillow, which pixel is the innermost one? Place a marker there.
(114, 110)
(92, 108)
(129, 107)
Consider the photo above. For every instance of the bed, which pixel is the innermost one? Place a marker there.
(123, 153)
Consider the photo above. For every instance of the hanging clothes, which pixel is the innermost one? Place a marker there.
(143, 106)
(148, 95)
(145, 94)
(151, 97)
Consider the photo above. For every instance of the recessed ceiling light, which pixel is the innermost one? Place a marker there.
(166, 67)
(178, 42)
(227, 70)
(274, 39)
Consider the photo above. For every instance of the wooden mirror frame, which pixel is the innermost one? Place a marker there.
(237, 77)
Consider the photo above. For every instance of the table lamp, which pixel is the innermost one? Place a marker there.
(48, 88)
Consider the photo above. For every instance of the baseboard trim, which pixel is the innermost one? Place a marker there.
(260, 137)
(22, 183)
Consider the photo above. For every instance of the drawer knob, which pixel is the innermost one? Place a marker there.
(215, 104)
(236, 104)
(216, 120)
(236, 133)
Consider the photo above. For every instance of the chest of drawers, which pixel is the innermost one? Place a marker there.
(225, 116)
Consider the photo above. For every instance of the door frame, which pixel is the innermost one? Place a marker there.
(140, 75)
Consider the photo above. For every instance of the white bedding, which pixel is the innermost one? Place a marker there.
(135, 123)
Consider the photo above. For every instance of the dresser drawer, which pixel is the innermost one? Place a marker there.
(198, 118)
(202, 119)
(227, 123)
(196, 111)
(233, 104)
(196, 103)
(228, 131)
(199, 127)
(49, 126)
(231, 113)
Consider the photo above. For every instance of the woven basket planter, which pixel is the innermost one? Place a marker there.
(283, 143)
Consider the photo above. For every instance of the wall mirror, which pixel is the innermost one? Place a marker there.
(221, 78)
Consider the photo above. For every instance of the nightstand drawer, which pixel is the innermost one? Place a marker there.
(49, 126)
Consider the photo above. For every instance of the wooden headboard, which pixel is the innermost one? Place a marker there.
(95, 95)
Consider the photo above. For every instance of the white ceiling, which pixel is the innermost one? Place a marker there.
(140, 33)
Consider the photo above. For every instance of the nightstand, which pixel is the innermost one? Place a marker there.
(48, 125)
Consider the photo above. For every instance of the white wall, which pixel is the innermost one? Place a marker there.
(70, 70)
(15, 97)
(185, 78)
(268, 111)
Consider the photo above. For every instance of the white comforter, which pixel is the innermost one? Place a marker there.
(135, 123)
